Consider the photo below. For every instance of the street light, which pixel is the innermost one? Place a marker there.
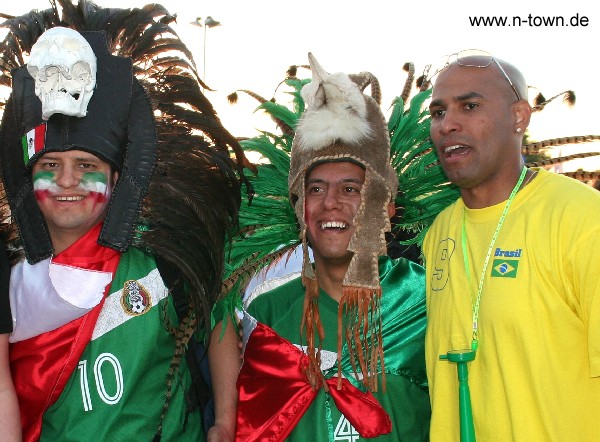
(209, 22)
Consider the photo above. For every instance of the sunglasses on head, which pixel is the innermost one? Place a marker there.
(477, 59)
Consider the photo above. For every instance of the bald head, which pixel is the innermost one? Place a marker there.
(502, 72)
(515, 76)
(478, 118)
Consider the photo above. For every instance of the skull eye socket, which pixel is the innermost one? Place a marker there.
(52, 71)
(81, 71)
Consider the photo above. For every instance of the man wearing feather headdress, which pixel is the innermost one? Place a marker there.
(512, 272)
(340, 349)
(116, 208)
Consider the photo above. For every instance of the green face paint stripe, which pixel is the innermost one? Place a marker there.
(94, 177)
(43, 181)
(44, 175)
(94, 182)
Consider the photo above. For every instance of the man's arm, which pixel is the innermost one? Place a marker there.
(224, 359)
(10, 421)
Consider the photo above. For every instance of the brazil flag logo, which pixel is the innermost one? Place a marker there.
(505, 268)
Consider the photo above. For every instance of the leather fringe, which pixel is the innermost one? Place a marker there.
(361, 309)
(311, 323)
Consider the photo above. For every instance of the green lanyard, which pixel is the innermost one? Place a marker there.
(474, 342)
(462, 357)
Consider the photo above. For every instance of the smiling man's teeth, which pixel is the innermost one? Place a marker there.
(452, 148)
(333, 224)
(69, 198)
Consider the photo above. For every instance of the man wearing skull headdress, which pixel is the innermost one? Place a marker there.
(115, 230)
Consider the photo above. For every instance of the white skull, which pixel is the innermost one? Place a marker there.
(63, 65)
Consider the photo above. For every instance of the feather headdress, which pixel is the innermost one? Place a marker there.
(193, 195)
(188, 200)
(269, 230)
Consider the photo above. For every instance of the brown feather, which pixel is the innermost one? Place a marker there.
(582, 175)
(410, 68)
(562, 159)
(534, 148)
(541, 102)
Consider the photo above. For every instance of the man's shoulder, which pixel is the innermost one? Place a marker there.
(134, 264)
(283, 293)
(563, 192)
(278, 303)
(402, 279)
(389, 266)
(549, 178)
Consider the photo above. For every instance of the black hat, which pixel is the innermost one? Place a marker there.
(119, 128)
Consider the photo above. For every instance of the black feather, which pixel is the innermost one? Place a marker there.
(193, 201)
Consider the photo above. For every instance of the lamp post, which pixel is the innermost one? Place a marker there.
(209, 22)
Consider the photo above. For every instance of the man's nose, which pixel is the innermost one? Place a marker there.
(67, 178)
(332, 199)
(450, 123)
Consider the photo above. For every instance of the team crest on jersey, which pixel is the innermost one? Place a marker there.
(135, 299)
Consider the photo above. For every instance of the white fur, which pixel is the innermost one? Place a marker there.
(317, 130)
(335, 110)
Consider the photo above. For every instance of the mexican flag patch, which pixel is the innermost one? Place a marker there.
(33, 141)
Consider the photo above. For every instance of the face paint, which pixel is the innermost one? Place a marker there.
(44, 185)
(94, 184)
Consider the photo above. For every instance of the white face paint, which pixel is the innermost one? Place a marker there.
(64, 68)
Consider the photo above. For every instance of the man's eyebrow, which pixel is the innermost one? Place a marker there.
(343, 180)
(351, 180)
(435, 103)
(464, 97)
(468, 96)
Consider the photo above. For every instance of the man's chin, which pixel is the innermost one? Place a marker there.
(337, 259)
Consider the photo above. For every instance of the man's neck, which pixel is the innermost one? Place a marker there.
(478, 198)
(330, 277)
(62, 240)
(491, 193)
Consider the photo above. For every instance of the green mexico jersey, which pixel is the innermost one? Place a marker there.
(405, 398)
(118, 390)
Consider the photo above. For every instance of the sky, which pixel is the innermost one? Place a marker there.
(258, 40)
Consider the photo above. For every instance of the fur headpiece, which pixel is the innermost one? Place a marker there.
(342, 123)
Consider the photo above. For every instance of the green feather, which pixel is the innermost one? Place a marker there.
(280, 112)
(268, 226)
(424, 189)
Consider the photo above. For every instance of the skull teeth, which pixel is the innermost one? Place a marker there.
(59, 95)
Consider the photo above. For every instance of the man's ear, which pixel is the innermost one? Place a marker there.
(391, 209)
(115, 177)
(522, 110)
